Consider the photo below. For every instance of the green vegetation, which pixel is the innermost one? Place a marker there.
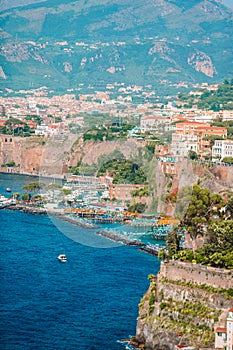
(217, 251)
(34, 118)
(137, 207)
(9, 164)
(26, 197)
(228, 124)
(211, 100)
(141, 192)
(84, 169)
(173, 244)
(226, 292)
(108, 133)
(33, 187)
(16, 127)
(201, 219)
(104, 158)
(203, 206)
(16, 195)
(228, 160)
(123, 171)
(193, 155)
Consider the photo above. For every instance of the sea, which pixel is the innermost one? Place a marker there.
(88, 303)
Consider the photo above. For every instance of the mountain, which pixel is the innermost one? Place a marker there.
(63, 43)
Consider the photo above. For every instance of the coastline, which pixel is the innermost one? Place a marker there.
(56, 177)
(109, 234)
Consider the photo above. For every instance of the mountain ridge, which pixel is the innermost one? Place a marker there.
(161, 41)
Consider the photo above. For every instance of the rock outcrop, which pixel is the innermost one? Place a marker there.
(176, 311)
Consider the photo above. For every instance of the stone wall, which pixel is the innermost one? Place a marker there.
(176, 270)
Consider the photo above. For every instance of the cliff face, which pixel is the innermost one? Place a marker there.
(90, 151)
(25, 152)
(54, 155)
(178, 312)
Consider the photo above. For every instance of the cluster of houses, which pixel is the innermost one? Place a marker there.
(207, 141)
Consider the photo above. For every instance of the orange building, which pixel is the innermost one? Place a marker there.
(203, 130)
(122, 191)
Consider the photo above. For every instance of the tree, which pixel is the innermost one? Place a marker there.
(173, 243)
(26, 197)
(228, 160)
(14, 126)
(218, 247)
(66, 191)
(220, 235)
(37, 197)
(192, 155)
(16, 195)
(200, 211)
(162, 254)
(33, 187)
(229, 208)
(137, 207)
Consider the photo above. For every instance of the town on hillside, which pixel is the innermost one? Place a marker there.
(155, 175)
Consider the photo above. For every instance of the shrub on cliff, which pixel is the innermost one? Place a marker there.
(217, 251)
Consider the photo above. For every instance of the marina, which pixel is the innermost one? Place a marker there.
(81, 204)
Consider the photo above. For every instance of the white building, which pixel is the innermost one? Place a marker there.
(224, 335)
(41, 130)
(222, 149)
(230, 330)
(152, 122)
(181, 144)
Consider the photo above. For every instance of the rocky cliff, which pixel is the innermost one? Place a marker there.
(54, 155)
(176, 311)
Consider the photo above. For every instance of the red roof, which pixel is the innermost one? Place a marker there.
(231, 310)
(221, 329)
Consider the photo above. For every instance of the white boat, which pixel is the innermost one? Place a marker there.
(62, 258)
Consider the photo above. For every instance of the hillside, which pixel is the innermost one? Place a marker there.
(61, 44)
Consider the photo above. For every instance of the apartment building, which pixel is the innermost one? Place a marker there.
(183, 143)
(123, 191)
(222, 149)
(203, 131)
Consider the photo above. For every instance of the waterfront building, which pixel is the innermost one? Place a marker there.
(123, 192)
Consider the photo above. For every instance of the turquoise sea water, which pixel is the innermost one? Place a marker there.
(90, 302)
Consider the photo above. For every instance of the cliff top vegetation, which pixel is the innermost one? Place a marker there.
(211, 217)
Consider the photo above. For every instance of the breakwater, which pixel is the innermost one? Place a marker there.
(78, 222)
(28, 209)
(121, 238)
(117, 237)
(107, 233)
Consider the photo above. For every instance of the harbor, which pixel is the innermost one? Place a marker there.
(87, 206)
